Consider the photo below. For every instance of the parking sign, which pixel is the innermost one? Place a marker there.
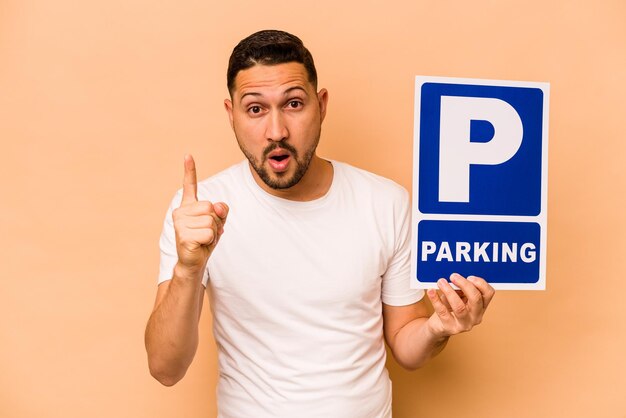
(480, 181)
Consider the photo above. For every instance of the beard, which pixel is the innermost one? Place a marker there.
(280, 181)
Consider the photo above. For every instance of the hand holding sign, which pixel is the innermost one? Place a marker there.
(198, 224)
(458, 311)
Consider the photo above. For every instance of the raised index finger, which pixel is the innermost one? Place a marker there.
(190, 182)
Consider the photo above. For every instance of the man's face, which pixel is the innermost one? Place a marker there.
(276, 115)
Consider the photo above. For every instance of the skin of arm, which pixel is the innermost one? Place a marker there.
(171, 336)
(407, 335)
(172, 331)
(415, 335)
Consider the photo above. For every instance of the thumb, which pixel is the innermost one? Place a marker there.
(190, 182)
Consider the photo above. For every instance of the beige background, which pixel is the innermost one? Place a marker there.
(99, 100)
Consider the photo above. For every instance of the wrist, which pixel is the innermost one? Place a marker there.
(188, 274)
(435, 332)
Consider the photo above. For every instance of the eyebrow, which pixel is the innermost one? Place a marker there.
(290, 89)
(286, 92)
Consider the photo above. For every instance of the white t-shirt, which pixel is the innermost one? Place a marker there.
(296, 292)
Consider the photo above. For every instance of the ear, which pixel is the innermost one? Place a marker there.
(322, 99)
(228, 105)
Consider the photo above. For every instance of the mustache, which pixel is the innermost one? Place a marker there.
(275, 145)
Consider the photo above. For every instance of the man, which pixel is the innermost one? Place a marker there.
(311, 270)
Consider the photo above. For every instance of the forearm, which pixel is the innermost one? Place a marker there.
(415, 344)
(172, 331)
(415, 335)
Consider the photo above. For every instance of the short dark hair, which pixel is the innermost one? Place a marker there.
(269, 47)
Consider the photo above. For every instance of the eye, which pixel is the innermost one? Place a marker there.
(294, 104)
(255, 110)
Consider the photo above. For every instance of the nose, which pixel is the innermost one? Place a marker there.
(276, 129)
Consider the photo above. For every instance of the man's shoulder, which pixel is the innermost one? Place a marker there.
(221, 185)
(366, 180)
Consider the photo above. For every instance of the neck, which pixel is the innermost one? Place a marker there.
(314, 184)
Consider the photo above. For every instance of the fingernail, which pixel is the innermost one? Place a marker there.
(441, 281)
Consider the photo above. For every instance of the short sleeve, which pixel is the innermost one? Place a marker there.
(396, 289)
(167, 245)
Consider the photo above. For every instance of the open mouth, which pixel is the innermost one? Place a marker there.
(279, 160)
(279, 157)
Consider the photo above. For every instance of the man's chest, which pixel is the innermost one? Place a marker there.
(309, 257)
